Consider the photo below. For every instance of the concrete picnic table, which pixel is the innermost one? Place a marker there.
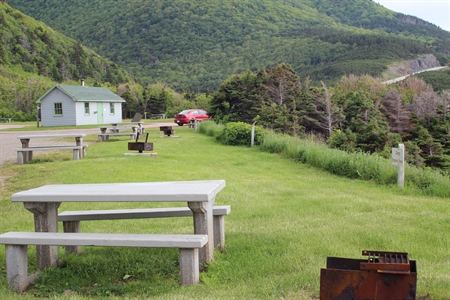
(137, 125)
(44, 202)
(25, 141)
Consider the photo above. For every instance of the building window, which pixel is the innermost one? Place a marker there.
(86, 108)
(111, 108)
(58, 109)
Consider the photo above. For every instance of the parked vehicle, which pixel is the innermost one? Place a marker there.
(188, 115)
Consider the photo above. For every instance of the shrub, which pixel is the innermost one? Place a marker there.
(239, 134)
(356, 165)
(210, 128)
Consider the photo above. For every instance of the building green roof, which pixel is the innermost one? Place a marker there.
(86, 93)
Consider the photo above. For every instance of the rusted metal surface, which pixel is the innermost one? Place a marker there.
(140, 146)
(383, 276)
(167, 130)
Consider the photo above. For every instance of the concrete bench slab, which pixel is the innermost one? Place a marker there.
(77, 154)
(17, 250)
(71, 219)
(105, 136)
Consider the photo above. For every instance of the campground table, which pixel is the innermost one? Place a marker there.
(44, 202)
(137, 125)
(25, 141)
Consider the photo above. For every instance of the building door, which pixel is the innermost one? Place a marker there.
(99, 113)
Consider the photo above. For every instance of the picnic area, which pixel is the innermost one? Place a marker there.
(286, 218)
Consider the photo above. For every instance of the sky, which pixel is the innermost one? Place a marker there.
(433, 11)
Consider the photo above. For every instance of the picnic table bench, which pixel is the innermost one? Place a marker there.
(17, 250)
(4, 120)
(158, 116)
(25, 153)
(71, 219)
(116, 131)
(136, 126)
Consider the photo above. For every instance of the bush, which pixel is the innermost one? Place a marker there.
(239, 134)
(210, 128)
(356, 165)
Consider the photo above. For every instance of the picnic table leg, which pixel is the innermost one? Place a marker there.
(203, 224)
(79, 142)
(76, 154)
(20, 157)
(27, 156)
(45, 220)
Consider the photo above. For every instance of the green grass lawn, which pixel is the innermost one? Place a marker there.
(286, 218)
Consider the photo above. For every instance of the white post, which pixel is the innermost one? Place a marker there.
(253, 135)
(401, 166)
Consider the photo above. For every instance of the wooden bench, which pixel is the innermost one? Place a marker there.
(71, 219)
(78, 151)
(17, 250)
(5, 120)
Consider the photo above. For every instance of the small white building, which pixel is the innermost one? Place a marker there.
(67, 105)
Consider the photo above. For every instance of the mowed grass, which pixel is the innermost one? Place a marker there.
(286, 218)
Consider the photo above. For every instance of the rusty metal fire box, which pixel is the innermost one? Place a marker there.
(167, 130)
(140, 146)
(382, 276)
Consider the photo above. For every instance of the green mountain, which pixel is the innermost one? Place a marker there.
(37, 48)
(34, 57)
(196, 45)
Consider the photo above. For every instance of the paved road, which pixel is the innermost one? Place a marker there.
(9, 141)
(403, 77)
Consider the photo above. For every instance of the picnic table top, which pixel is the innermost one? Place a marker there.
(136, 123)
(50, 136)
(174, 191)
(117, 127)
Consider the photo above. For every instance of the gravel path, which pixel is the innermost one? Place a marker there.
(9, 141)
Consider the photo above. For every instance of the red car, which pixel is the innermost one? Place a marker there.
(187, 115)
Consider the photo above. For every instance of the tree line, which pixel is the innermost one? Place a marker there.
(358, 113)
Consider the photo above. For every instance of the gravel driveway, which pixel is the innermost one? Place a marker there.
(9, 141)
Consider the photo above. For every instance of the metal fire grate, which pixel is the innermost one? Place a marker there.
(167, 130)
(382, 276)
(386, 262)
(140, 146)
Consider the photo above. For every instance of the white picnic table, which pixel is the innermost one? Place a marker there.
(136, 126)
(44, 202)
(25, 141)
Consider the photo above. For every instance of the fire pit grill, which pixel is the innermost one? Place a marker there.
(167, 130)
(140, 146)
(382, 276)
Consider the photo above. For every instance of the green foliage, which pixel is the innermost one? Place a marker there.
(211, 128)
(239, 134)
(439, 80)
(34, 57)
(357, 165)
(197, 45)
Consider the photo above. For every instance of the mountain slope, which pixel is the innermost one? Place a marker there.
(198, 44)
(33, 57)
(36, 48)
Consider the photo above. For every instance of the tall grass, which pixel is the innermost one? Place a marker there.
(285, 219)
(356, 165)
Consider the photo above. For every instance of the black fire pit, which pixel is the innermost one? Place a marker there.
(382, 276)
(140, 146)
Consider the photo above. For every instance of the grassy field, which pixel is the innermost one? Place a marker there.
(286, 218)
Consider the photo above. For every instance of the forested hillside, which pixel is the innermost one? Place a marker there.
(253, 58)
(197, 44)
(33, 57)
